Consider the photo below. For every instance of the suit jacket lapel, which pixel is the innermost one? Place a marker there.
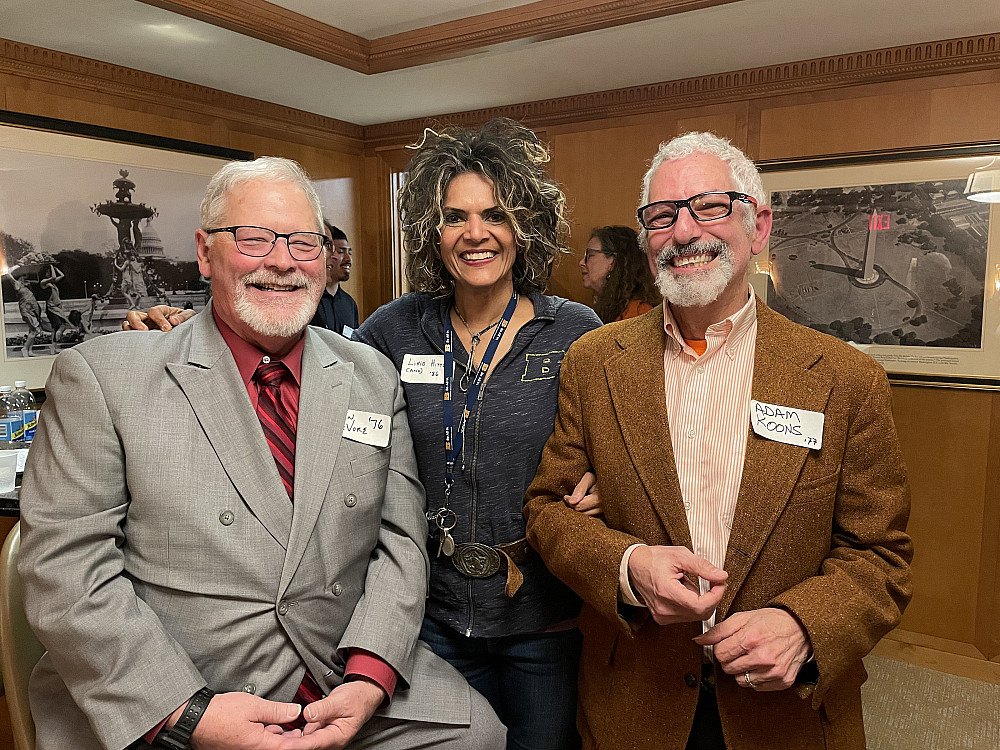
(323, 403)
(782, 376)
(635, 379)
(212, 384)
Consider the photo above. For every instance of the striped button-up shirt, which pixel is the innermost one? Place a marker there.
(708, 412)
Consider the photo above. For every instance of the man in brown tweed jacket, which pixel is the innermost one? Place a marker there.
(753, 544)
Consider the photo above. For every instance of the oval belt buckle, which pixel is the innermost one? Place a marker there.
(476, 560)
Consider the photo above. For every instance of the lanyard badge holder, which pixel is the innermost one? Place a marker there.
(444, 517)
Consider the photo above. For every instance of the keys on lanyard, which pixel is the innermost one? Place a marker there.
(445, 520)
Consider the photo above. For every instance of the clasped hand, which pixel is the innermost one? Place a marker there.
(239, 721)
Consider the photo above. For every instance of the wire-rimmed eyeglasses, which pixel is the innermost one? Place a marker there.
(710, 206)
(257, 242)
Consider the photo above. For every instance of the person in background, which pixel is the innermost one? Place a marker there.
(482, 225)
(753, 547)
(337, 309)
(181, 600)
(616, 270)
(30, 310)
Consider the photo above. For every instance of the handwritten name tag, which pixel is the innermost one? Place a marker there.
(422, 368)
(787, 425)
(368, 428)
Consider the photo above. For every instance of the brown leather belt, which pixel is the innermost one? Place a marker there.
(477, 560)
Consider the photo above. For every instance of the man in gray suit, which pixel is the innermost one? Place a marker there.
(208, 544)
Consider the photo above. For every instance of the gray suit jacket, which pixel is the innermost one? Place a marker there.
(160, 551)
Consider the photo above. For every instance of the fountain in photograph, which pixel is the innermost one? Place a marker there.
(133, 279)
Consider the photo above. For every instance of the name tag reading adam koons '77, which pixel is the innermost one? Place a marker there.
(787, 425)
(422, 368)
(368, 428)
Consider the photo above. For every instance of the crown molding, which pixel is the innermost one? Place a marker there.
(965, 54)
(278, 26)
(93, 75)
(544, 19)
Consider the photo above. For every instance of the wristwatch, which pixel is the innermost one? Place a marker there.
(178, 737)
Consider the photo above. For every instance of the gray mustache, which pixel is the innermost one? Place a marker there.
(667, 254)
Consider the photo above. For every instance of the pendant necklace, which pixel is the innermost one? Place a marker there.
(463, 383)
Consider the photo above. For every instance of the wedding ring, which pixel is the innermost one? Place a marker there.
(746, 678)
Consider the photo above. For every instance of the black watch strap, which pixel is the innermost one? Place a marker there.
(178, 737)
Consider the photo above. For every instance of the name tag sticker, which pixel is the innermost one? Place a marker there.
(787, 425)
(348, 332)
(368, 428)
(422, 368)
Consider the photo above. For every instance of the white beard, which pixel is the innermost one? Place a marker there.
(280, 319)
(698, 288)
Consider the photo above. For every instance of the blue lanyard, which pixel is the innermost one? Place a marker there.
(453, 438)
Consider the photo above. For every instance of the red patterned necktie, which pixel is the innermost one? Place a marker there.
(279, 427)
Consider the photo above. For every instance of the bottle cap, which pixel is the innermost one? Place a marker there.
(5, 389)
(20, 383)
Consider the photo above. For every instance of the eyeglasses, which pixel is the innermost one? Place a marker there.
(257, 242)
(710, 206)
(591, 252)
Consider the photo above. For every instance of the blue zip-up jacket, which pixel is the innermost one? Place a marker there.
(504, 438)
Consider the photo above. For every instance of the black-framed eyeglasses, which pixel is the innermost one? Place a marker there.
(710, 206)
(257, 242)
(591, 252)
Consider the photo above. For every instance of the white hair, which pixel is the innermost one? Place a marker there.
(746, 177)
(266, 169)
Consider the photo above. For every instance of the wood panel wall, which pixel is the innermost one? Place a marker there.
(951, 438)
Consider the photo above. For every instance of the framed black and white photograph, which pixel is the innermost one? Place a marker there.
(897, 253)
(94, 222)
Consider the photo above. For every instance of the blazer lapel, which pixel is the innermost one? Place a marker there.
(323, 403)
(781, 376)
(640, 406)
(212, 384)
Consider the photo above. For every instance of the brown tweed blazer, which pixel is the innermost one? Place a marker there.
(820, 533)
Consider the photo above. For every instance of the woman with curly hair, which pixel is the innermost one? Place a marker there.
(482, 225)
(617, 271)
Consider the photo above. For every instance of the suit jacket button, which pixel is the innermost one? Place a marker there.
(691, 680)
(350, 501)
(337, 589)
(226, 517)
(283, 608)
(250, 688)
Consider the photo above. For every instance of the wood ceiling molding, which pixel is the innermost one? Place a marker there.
(894, 63)
(278, 26)
(545, 19)
(93, 75)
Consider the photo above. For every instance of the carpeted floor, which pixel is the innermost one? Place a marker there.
(913, 708)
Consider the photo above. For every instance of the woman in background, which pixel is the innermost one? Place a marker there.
(618, 273)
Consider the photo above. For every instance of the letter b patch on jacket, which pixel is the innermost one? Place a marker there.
(542, 366)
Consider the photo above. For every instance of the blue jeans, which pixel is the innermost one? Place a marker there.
(529, 680)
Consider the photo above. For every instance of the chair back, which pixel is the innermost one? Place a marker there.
(20, 650)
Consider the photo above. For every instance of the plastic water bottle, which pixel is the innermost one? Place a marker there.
(29, 409)
(9, 419)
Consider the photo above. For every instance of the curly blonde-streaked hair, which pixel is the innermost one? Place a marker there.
(511, 157)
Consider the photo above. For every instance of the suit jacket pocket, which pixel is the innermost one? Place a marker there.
(812, 490)
(366, 464)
